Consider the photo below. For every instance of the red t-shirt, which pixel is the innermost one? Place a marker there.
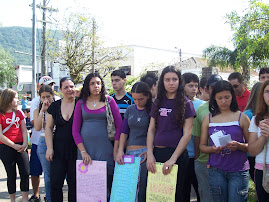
(14, 132)
(243, 100)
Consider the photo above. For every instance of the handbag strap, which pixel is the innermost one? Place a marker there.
(107, 104)
(265, 151)
(12, 121)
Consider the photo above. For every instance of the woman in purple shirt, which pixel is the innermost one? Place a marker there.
(90, 125)
(228, 173)
(170, 127)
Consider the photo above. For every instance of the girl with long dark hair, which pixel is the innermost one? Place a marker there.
(134, 128)
(170, 127)
(228, 173)
(40, 114)
(259, 140)
(90, 125)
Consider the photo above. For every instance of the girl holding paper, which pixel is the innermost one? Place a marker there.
(259, 140)
(90, 125)
(13, 144)
(228, 173)
(135, 127)
(170, 127)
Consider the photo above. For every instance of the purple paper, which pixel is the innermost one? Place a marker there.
(128, 159)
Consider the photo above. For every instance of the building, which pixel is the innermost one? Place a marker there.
(24, 76)
(141, 58)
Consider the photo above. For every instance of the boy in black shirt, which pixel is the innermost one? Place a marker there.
(122, 98)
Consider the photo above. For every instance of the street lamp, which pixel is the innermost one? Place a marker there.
(179, 52)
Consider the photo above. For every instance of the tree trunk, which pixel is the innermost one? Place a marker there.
(246, 73)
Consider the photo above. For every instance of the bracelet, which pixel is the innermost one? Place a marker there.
(84, 151)
(41, 113)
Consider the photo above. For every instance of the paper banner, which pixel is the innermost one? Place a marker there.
(125, 181)
(162, 187)
(91, 181)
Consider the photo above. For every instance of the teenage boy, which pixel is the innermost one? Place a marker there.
(151, 79)
(201, 159)
(122, 98)
(264, 74)
(191, 84)
(202, 88)
(241, 92)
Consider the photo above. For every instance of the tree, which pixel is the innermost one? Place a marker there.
(82, 50)
(250, 40)
(7, 72)
(220, 57)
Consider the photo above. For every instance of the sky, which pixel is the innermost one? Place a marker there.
(189, 25)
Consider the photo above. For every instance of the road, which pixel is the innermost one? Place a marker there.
(4, 196)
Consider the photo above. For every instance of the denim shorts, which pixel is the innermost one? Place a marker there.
(137, 152)
(35, 165)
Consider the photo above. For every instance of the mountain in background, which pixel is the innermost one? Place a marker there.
(20, 39)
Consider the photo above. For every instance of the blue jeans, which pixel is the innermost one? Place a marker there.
(41, 152)
(143, 173)
(201, 172)
(228, 186)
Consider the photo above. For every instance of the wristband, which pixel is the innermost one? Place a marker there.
(41, 113)
(83, 151)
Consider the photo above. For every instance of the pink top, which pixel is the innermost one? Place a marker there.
(259, 166)
(77, 121)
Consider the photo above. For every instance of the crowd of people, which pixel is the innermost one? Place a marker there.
(173, 119)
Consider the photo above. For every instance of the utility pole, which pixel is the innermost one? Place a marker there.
(34, 53)
(45, 8)
(180, 57)
(43, 53)
(93, 44)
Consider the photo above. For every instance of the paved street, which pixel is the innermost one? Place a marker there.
(4, 196)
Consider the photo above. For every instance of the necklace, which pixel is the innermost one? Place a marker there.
(94, 104)
(139, 117)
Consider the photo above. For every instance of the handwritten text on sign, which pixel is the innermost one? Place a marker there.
(125, 181)
(91, 181)
(162, 187)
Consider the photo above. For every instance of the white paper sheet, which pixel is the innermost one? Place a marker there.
(219, 139)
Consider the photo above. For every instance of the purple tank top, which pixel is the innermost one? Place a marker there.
(227, 160)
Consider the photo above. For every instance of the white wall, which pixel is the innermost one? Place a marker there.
(24, 74)
(140, 57)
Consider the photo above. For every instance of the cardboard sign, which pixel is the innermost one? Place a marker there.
(162, 187)
(91, 181)
(125, 181)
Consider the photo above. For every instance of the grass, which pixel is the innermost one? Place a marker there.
(251, 192)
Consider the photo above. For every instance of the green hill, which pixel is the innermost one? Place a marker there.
(20, 39)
